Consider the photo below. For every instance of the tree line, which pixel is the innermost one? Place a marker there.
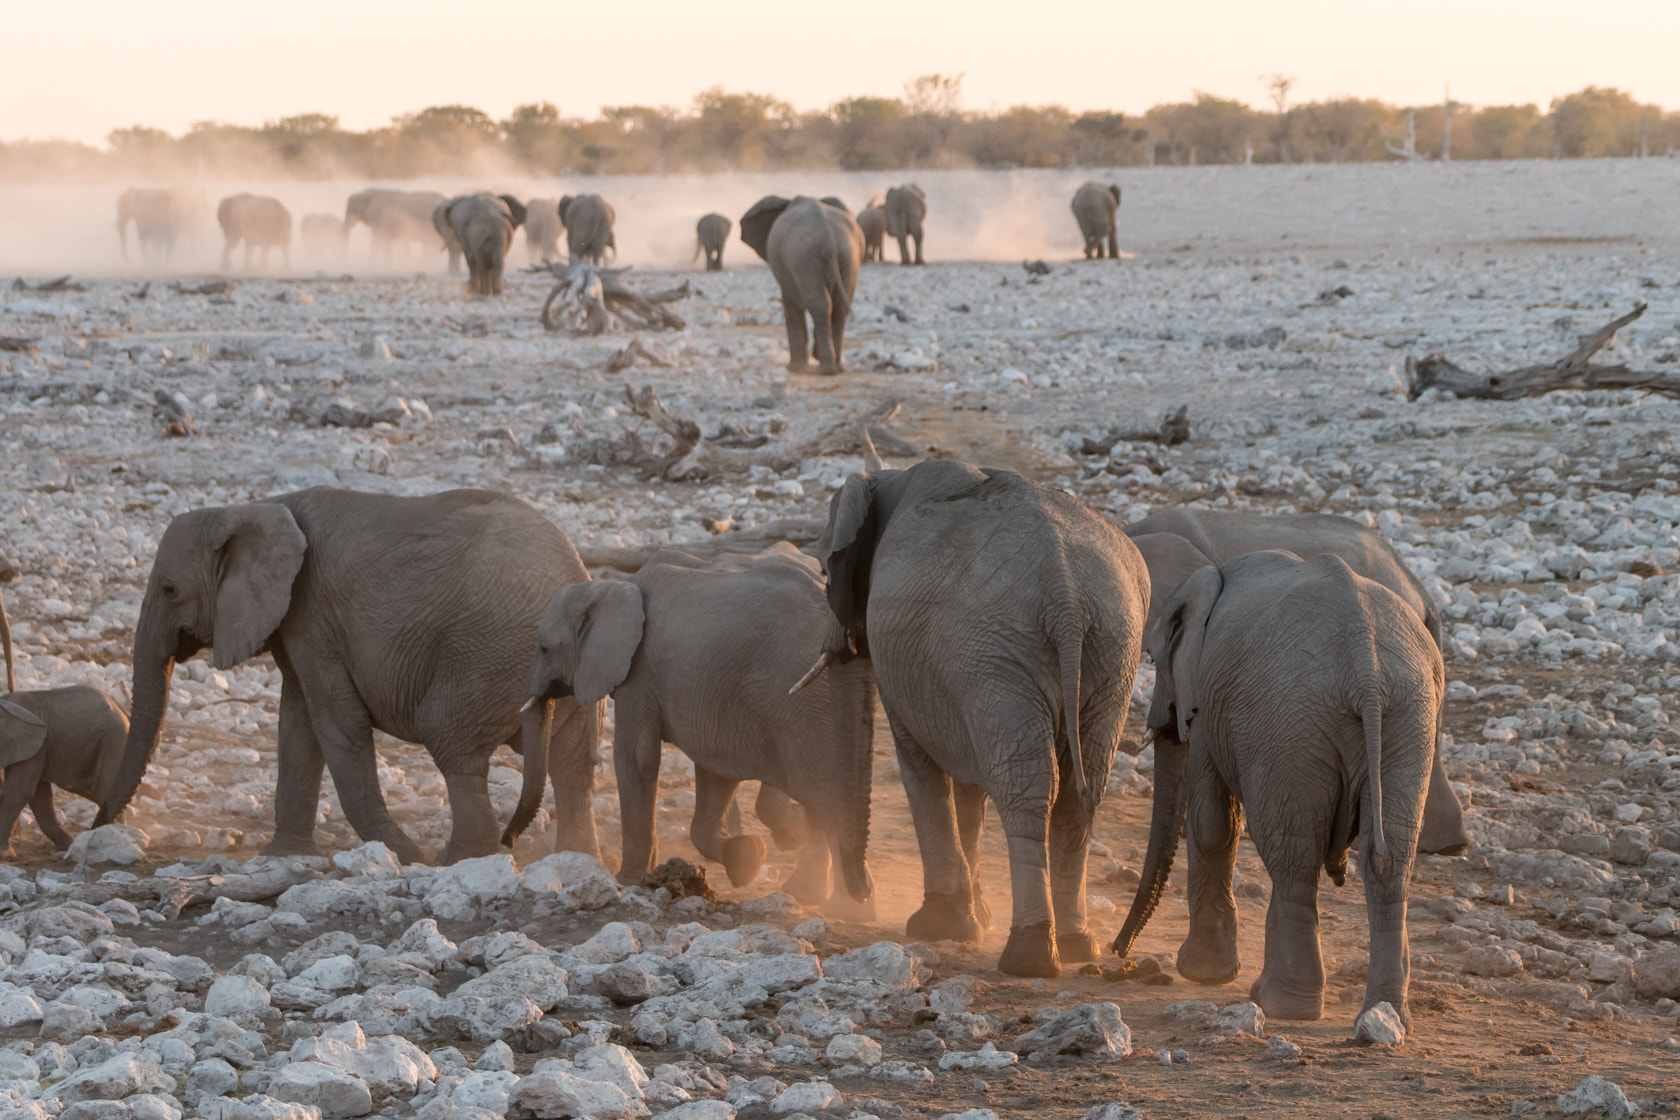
(925, 127)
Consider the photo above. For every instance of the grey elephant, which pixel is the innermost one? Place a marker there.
(1004, 621)
(400, 218)
(905, 209)
(703, 656)
(483, 226)
(322, 236)
(412, 616)
(1095, 208)
(542, 230)
(71, 738)
(814, 249)
(257, 222)
(589, 226)
(710, 234)
(872, 221)
(1307, 698)
(1177, 542)
(155, 219)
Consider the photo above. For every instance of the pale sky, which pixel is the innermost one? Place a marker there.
(78, 68)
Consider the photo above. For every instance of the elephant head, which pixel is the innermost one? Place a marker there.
(756, 223)
(515, 208)
(223, 578)
(22, 733)
(1175, 643)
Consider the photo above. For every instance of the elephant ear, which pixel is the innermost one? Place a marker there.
(1175, 642)
(564, 205)
(440, 218)
(851, 537)
(259, 550)
(22, 733)
(830, 200)
(756, 223)
(1171, 560)
(515, 207)
(612, 632)
(1115, 191)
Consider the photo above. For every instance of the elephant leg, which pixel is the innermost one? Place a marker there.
(1113, 244)
(810, 882)
(903, 250)
(573, 751)
(799, 339)
(971, 816)
(785, 817)
(1443, 817)
(827, 353)
(1291, 983)
(297, 788)
(1070, 837)
(636, 747)
(1031, 949)
(918, 237)
(947, 910)
(46, 816)
(20, 783)
(1212, 826)
(474, 830)
(742, 856)
(839, 308)
(345, 735)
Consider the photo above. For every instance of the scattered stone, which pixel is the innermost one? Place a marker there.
(1279, 1046)
(1089, 1030)
(1597, 1095)
(1380, 1025)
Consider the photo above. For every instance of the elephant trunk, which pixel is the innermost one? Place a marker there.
(1164, 826)
(534, 733)
(852, 698)
(154, 667)
(6, 639)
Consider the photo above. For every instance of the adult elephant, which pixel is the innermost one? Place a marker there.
(1178, 542)
(872, 221)
(542, 230)
(814, 249)
(1004, 621)
(905, 209)
(400, 218)
(1095, 208)
(155, 219)
(710, 234)
(483, 226)
(257, 222)
(589, 226)
(412, 616)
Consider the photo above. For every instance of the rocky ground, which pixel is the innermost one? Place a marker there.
(537, 987)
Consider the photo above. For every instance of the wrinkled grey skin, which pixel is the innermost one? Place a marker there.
(71, 738)
(323, 237)
(400, 218)
(589, 227)
(1095, 208)
(905, 209)
(1177, 542)
(542, 230)
(257, 222)
(1004, 621)
(814, 249)
(413, 616)
(872, 221)
(1306, 698)
(702, 656)
(711, 232)
(483, 226)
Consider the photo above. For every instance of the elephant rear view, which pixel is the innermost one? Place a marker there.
(542, 230)
(257, 222)
(400, 217)
(814, 249)
(905, 209)
(872, 221)
(1095, 208)
(482, 225)
(710, 234)
(589, 227)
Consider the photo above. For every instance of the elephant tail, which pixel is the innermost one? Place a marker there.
(1370, 714)
(1072, 650)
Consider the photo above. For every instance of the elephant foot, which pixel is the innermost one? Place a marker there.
(453, 852)
(982, 912)
(1279, 1002)
(743, 858)
(1030, 951)
(944, 917)
(842, 907)
(1202, 963)
(799, 367)
(1451, 840)
(1076, 948)
(292, 845)
(810, 889)
(831, 370)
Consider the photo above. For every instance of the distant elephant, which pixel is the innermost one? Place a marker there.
(156, 223)
(542, 230)
(1004, 621)
(702, 656)
(400, 217)
(814, 249)
(1177, 542)
(323, 237)
(1094, 208)
(257, 222)
(872, 220)
(589, 227)
(710, 234)
(1307, 699)
(71, 738)
(905, 208)
(483, 226)
(412, 616)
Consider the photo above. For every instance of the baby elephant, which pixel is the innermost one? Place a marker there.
(1305, 696)
(67, 737)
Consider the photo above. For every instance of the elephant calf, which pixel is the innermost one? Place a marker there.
(905, 210)
(1306, 697)
(1095, 208)
(588, 219)
(814, 249)
(257, 222)
(710, 234)
(872, 220)
(71, 738)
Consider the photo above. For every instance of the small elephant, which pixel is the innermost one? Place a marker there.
(257, 222)
(710, 234)
(542, 230)
(323, 237)
(483, 226)
(814, 249)
(906, 208)
(589, 227)
(703, 656)
(1095, 208)
(1004, 620)
(872, 220)
(1305, 697)
(71, 738)
(1177, 542)
(401, 218)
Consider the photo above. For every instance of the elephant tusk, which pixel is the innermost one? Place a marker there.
(530, 702)
(823, 661)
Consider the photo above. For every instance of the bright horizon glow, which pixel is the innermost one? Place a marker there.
(78, 70)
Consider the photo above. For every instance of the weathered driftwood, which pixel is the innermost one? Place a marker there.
(635, 352)
(208, 288)
(589, 300)
(799, 531)
(1570, 372)
(170, 895)
(1174, 430)
(18, 345)
(170, 410)
(59, 284)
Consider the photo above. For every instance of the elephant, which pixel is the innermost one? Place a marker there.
(1177, 542)
(400, 217)
(542, 230)
(416, 616)
(1004, 622)
(323, 237)
(710, 234)
(1307, 698)
(259, 223)
(872, 220)
(589, 227)
(703, 656)
(1094, 208)
(814, 249)
(905, 209)
(483, 226)
(156, 221)
(71, 738)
